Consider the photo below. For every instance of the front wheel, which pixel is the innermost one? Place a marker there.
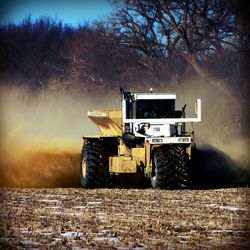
(94, 166)
(170, 168)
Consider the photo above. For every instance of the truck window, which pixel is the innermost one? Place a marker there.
(149, 109)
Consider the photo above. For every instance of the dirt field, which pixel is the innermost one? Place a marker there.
(124, 219)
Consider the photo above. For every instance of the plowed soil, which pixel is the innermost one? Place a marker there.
(124, 219)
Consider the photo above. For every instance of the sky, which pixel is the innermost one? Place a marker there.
(71, 12)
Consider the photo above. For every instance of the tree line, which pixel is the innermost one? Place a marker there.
(143, 43)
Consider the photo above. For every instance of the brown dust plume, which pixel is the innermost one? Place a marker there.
(41, 138)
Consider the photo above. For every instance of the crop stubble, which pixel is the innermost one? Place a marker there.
(124, 219)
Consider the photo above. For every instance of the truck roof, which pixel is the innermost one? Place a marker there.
(154, 95)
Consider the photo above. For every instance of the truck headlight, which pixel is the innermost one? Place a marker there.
(183, 139)
(157, 129)
(157, 140)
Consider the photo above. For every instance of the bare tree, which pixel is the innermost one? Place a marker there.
(194, 29)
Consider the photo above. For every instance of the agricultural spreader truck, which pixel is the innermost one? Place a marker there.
(148, 135)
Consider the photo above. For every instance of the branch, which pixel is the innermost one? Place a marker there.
(186, 11)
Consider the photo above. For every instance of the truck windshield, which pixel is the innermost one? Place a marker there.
(148, 109)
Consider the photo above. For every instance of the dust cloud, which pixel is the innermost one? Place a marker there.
(41, 137)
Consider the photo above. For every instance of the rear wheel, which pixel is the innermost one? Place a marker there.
(94, 166)
(170, 168)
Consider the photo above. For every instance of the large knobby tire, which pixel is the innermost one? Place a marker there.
(170, 168)
(94, 166)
